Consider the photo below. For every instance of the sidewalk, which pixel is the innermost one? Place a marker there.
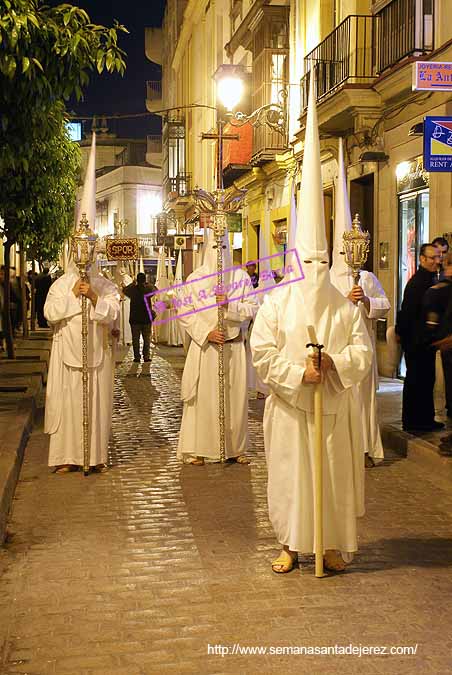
(422, 448)
(153, 567)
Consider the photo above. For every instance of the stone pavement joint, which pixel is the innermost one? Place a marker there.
(137, 571)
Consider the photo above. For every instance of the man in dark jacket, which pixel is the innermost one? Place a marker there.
(42, 286)
(418, 413)
(139, 319)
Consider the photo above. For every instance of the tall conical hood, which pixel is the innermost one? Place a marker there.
(170, 272)
(209, 260)
(310, 237)
(88, 201)
(141, 264)
(342, 218)
(292, 229)
(162, 279)
(266, 279)
(179, 273)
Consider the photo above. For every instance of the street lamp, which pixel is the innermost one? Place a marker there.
(230, 90)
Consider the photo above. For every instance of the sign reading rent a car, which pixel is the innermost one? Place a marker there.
(122, 249)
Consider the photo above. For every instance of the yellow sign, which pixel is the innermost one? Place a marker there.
(122, 249)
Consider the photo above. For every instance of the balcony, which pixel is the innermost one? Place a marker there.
(363, 47)
(177, 190)
(346, 56)
(404, 28)
(154, 95)
(154, 150)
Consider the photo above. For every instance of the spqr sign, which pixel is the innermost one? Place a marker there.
(122, 249)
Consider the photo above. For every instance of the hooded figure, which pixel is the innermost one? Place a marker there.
(63, 412)
(371, 299)
(199, 437)
(285, 364)
(63, 311)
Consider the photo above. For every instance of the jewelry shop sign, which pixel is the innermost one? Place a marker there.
(122, 249)
(432, 76)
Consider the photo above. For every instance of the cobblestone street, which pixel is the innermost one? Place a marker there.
(145, 569)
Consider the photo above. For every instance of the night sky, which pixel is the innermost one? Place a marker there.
(109, 94)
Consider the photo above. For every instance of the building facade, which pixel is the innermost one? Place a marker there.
(362, 54)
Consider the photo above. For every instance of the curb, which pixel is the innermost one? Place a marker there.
(423, 452)
(11, 457)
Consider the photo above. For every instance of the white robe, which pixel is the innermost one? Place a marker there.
(379, 307)
(199, 432)
(279, 355)
(63, 414)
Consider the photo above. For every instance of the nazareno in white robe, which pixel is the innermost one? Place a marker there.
(199, 432)
(63, 414)
(367, 388)
(279, 355)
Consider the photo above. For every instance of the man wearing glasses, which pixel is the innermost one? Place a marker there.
(418, 412)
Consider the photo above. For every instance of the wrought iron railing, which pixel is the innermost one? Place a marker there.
(347, 54)
(154, 143)
(154, 90)
(404, 28)
(362, 47)
(179, 186)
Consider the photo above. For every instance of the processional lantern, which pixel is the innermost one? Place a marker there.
(356, 247)
(84, 242)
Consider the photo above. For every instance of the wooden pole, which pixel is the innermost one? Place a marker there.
(318, 465)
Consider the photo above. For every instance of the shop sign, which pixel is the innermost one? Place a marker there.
(414, 177)
(432, 76)
(438, 144)
(122, 249)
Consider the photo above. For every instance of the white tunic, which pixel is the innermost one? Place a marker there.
(379, 307)
(63, 415)
(199, 433)
(279, 355)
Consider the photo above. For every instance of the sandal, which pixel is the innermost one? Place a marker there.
(195, 461)
(65, 468)
(240, 459)
(333, 561)
(285, 562)
(99, 468)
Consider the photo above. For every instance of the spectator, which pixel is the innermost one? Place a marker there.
(252, 272)
(43, 282)
(418, 413)
(442, 246)
(139, 319)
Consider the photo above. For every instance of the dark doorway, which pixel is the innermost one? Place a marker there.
(362, 202)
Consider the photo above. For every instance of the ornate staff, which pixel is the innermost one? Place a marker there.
(83, 250)
(356, 248)
(219, 203)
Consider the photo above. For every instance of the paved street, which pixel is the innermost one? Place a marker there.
(140, 570)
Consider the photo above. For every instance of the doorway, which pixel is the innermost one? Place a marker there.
(362, 202)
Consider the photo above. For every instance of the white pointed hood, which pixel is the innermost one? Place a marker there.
(88, 201)
(170, 272)
(266, 279)
(179, 273)
(209, 259)
(340, 271)
(310, 239)
(162, 279)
